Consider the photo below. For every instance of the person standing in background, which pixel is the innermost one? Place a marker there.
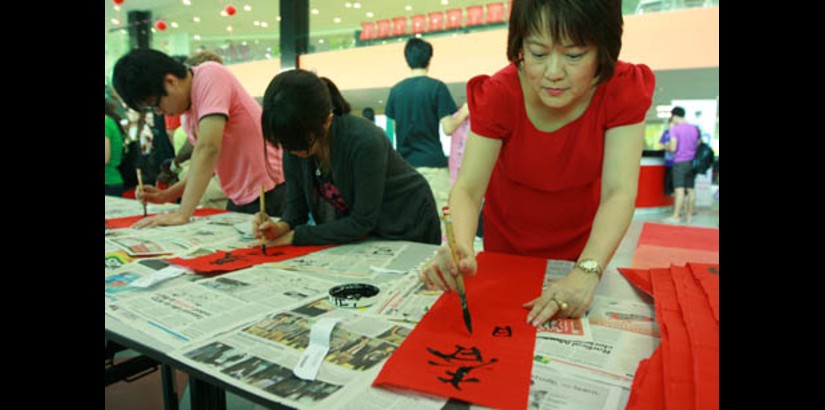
(420, 104)
(664, 143)
(369, 114)
(684, 138)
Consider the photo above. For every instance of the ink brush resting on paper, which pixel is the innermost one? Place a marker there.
(459, 279)
(140, 188)
(263, 212)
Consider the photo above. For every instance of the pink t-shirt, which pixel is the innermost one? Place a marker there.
(241, 166)
(457, 141)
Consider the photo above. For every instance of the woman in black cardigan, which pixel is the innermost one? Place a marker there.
(341, 170)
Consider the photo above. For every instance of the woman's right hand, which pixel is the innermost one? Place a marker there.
(152, 194)
(440, 272)
(266, 229)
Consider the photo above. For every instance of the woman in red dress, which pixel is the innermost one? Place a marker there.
(554, 150)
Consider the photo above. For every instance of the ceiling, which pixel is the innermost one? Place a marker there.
(671, 84)
(213, 26)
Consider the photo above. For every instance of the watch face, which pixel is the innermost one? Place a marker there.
(590, 265)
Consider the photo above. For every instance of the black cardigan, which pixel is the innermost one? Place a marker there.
(385, 196)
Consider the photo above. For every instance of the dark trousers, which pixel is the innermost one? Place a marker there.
(274, 202)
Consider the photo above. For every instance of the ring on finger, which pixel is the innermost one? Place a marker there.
(561, 305)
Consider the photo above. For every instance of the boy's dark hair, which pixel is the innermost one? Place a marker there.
(679, 112)
(295, 105)
(139, 75)
(418, 53)
(368, 113)
(584, 22)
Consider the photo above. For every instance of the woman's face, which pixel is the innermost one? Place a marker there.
(560, 74)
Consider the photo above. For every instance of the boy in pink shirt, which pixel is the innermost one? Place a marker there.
(224, 124)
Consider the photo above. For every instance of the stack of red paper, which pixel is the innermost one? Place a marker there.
(683, 372)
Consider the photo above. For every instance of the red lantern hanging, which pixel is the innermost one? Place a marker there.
(160, 25)
(118, 2)
(230, 10)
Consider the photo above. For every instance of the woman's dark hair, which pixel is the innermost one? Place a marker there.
(340, 106)
(591, 22)
(295, 105)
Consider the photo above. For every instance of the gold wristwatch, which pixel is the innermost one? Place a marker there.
(590, 266)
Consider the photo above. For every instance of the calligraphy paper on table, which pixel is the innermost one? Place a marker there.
(677, 357)
(222, 261)
(127, 221)
(708, 277)
(703, 335)
(492, 366)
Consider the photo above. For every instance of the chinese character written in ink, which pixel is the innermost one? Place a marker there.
(504, 331)
(228, 258)
(465, 360)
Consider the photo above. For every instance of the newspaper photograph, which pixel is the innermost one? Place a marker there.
(119, 281)
(566, 328)
(260, 356)
(625, 315)
(115, 259)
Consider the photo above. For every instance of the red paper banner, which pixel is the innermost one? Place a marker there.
(639, 278)
(703, 335)
(648, 390)
(677, 357)
(492, 366)
(127, 221)
(708, 277)
(222, 262)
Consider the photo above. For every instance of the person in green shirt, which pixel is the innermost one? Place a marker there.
(114, 151)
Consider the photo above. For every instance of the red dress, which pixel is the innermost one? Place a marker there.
(545, 187)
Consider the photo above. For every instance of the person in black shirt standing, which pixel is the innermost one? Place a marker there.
(418, 105)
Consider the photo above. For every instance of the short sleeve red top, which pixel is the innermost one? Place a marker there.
(545, 187)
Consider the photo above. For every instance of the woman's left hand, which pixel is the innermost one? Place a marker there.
(567, 297)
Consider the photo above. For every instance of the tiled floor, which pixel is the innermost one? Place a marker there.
(145, 394)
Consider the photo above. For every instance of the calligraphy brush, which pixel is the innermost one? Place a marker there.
(448, 226)
(140, 187)
(263, 208)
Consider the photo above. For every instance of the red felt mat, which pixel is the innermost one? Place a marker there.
(675, 236)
